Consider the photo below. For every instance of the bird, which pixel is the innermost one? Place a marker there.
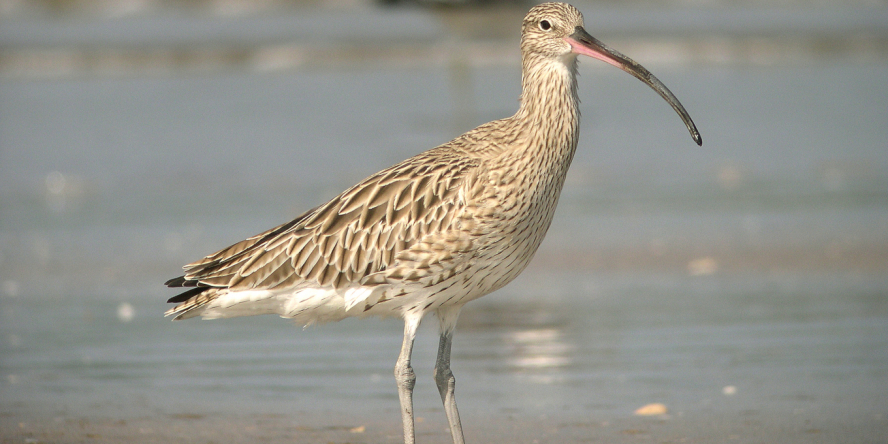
(431, 233)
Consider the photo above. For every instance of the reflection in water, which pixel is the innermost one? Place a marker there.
(528, 337)
(538, 348)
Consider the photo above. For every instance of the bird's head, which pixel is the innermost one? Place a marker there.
(554, 31)
(546, 29)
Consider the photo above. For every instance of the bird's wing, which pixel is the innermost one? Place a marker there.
(350, 238)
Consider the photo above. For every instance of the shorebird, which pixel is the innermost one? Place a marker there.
(431, 233)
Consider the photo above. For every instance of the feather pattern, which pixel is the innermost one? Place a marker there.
(340, 244)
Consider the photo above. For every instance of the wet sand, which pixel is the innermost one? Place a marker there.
(738, 427)
(733, 359)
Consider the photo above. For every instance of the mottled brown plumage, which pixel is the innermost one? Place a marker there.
(431, 233)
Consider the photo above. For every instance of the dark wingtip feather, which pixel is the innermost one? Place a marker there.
(182, 297)
(177, 282)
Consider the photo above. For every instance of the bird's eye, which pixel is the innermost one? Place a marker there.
(545, 25)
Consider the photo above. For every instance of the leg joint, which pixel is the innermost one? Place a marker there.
(405, 376)
(444, 378)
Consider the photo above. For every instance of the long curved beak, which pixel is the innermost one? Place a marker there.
(583, 43)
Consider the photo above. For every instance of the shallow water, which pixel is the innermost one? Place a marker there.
(742, 284)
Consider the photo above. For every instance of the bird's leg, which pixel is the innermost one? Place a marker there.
(443, 376)
(405, 377)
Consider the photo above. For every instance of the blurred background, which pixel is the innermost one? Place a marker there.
(742, 285)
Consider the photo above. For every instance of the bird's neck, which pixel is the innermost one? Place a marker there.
(549, 111)
(549, 86)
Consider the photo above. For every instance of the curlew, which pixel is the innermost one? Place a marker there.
(431, 233)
